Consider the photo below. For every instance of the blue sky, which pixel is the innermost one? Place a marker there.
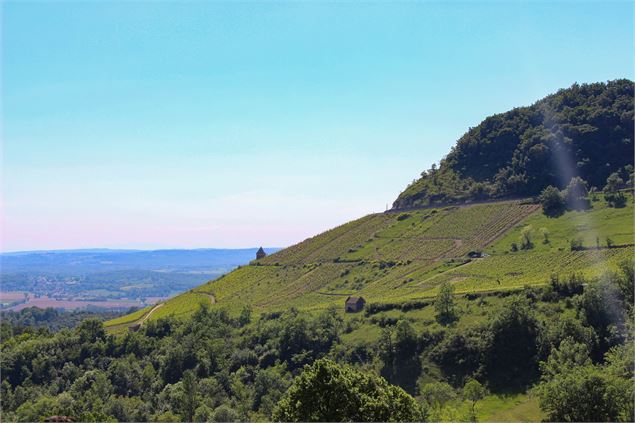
(208, 124)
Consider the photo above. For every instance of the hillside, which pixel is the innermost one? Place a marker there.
(397, 257)
(585, 130)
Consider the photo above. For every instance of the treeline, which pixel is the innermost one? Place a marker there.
(571, 342)
(34, 318)
(585, 130)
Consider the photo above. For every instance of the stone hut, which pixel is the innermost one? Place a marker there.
(354, 304)
(260, 254)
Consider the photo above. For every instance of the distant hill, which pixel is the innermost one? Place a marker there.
(104, 260)
(402, 256)
(397, 258)
(585, 130)
(102, 274)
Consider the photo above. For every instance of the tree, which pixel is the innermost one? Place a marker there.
(474, 391)
(189, 403)
(444, 303)
(586, 394)
(224, 413)
(513, 348)
(565, 358)
(613, 183)
(326, 391)
(245, 315)
(576, 194)
(437, 394)
(612, 193)
(545, 235)
(553, 205)
(460, 354)
(91, 330)
(526, 242)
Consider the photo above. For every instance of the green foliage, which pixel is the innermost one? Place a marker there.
(553, 205)
(587, 394)
(576, 194)
(526, 238)
(513, 349)
(545, 235)
(473, 391)
(522, 151)
(461, 355)
(444, 303)
(568, 356)
(437, 394)
(326, 391)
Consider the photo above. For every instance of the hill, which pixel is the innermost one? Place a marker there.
(488, 311)
(399, 257)
(585, 130)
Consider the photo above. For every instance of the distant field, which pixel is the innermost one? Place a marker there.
(396, 257)
(44, 302)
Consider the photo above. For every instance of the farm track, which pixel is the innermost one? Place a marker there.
(211, 297)
(139, 321)
(155, 308)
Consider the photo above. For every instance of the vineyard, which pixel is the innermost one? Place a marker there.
(395, 257)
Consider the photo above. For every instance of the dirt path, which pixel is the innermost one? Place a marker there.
(211, 297)
(150, 312)
(139, 321)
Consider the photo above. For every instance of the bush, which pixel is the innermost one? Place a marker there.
(553, 205)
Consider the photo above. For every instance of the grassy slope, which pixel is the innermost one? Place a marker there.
(396, 257)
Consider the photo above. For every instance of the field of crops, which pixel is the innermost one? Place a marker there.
(394, 257)
(515, 270)
(331, 244)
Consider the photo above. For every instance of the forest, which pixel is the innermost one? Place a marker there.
(558, 342)
(585, 130)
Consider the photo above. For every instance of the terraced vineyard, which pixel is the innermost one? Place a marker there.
(400, 256)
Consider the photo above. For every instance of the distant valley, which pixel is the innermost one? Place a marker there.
(109, 279)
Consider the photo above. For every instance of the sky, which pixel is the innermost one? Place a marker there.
(238, 124)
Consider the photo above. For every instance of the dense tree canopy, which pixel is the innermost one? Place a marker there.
(328, 392)
(585, 130)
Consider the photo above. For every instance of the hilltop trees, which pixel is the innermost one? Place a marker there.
(586, 130)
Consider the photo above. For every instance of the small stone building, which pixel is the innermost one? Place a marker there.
(260, 254)
(354, 304)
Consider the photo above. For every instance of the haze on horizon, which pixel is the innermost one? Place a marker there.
(192, 124)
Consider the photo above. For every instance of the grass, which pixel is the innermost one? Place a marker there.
(599, 222)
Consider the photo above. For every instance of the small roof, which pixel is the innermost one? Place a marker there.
(353, 300)
(260, 250)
